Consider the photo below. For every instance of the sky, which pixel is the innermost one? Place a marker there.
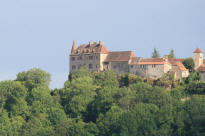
(40, 33)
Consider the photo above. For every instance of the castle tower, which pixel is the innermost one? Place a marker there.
(198, 58)
(74, 47)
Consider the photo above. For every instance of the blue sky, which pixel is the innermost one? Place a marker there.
(39, 33)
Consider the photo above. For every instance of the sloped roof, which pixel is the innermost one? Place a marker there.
(181, 66)
(178, 63)
(150, 61)
(92, 47)
(173, 61)
(201, 68)
(135, 60)
(198, 50)
(119, 56)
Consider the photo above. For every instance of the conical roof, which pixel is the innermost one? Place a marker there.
(198, 50)
(74, 47)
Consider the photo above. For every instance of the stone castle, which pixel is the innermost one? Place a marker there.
(96, 57)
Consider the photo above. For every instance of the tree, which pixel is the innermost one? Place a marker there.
(107, 78)
(101, 104)
(155, 54)
(195, 121)
(171, 54)
(189, 64)
(108, 123)
(38, 126)
(56, 115)
(5, 126)
(193, 77)
(75, 127)
(76, 98)
(140, 121)
(82, 72)
(12, 98)
(34, 77)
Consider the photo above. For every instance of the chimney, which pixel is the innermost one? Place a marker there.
(101, 43)
(90, 43)
(166, 59)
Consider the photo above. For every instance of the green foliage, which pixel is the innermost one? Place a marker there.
(171, 54)
(56, 115)
(72, 127)
(140, 121)
(195, 88)
(76, 98)
(127, 79)
(195, 109)
(165, 81)
(12, 95)
(189, 64)
(38, 126)
(82, 72)
(107, 78)
(108, 123)
(155, 53)
(193, 77)
(102, 104)
(34, 77)
(5, 126)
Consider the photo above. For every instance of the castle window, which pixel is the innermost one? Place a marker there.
(90, 57)
(73, 58)
(80, 58)
(141, 66)
(153, 66)
(73, 67)
(131, 66)
(90, 66)
(114, 66)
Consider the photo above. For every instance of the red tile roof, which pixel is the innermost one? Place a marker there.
(181, 66)
(198, 50)
(201, 68)
(119, 56)
(178, 63)
(173, 61)
(151, 61)
(135, 60)
(92, 47)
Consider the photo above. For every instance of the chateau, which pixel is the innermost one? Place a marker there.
(96, 57)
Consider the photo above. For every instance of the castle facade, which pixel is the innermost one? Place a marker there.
(96, 57)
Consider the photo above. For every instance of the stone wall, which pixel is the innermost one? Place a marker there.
(102, 59)
(202, 76)
(151, 71)
(119, 67)
(90, 61)
(198, 59)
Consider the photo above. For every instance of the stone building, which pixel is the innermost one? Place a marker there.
(96, 57)
(199, 62)
(90, 55)
(119, 61)
(152, 68)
